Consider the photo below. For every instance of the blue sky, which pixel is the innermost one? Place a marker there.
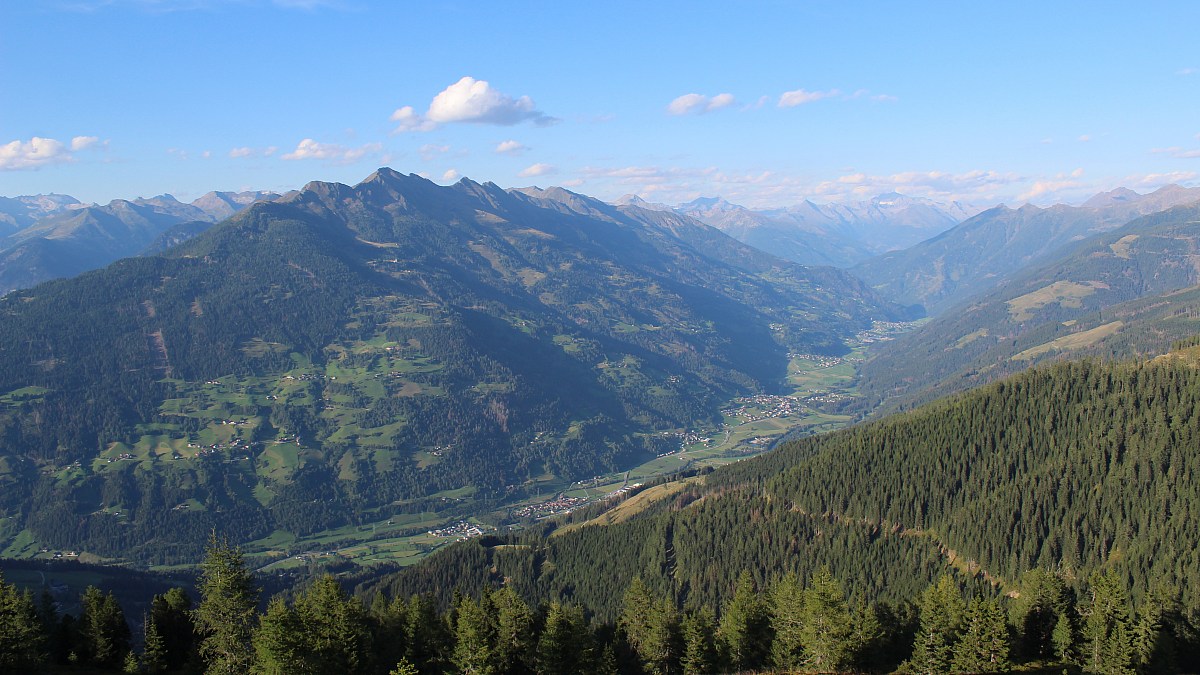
(764, 103)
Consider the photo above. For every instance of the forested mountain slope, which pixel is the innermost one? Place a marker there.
(355, 350)
(1123, 293)
(982, 252)
(1083, 466)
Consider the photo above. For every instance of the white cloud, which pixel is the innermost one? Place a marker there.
(471, 101)
(698, 104)
(409, 120)
(1187, 71)
(1055, 186)
(538, 169)
(38, 152)
(83, 142)
(510, 147)
(450, 176)
(791, 99)
(332, 152)
(1085, 138)
(238, 153)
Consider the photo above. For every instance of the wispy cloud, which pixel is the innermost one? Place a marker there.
(1053, 186)
(470, 101)
(1187, 71)
(791, 99)
(430, 151)
(331, 152)
(450, 176)
(39, 152)
(1177, 152)
(698, 104)
(1153, 181)
(538, 169)
(510, 148)
(247, 152)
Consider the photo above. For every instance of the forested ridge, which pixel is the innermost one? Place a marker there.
(1077, 469)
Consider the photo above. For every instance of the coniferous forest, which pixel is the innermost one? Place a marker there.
(1038, 523)
(794, 624)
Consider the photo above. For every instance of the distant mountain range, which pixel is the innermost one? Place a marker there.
(839, 235)
(381, 348)
(982, 251)
(55, 236)
(1129, 291)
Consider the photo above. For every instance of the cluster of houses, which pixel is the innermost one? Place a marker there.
(461, 530)
(884, 330)
(764, 406)
(686, 438)
(821, 360)
(560, 505)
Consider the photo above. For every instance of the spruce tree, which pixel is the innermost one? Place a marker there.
(941, 615)
(983, 646)
(335, 628)
(171, 614)
(474, 639)
(281, 645)
(787, 622)
(226, 615)
(826, 629)
(699, 650)
(22, 637)
(515, 643)
(154, 648)
(744, 631)
(565, 642)
(1108, 640)
(103, 629)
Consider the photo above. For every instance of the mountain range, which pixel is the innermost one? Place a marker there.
(346, 353)
(1126, 292)
(55, 236)
(839, 235)
(982, 251)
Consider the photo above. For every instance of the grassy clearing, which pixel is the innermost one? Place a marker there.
(1066, 293)
(1078, 340)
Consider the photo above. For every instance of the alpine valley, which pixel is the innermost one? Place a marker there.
(386, 356)
(469, 429)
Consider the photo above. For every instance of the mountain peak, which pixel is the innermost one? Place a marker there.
(1121, 195)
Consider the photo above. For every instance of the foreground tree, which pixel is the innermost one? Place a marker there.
(744, 631)
(983, 647)
(699, 649)
(103, 629)
(941, 615)
(226, 615)
(171, 615)
(21, 637)
(565, 645)
(827, 628)
(1107, 634)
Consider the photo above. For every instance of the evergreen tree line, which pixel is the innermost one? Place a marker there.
(793, 625)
